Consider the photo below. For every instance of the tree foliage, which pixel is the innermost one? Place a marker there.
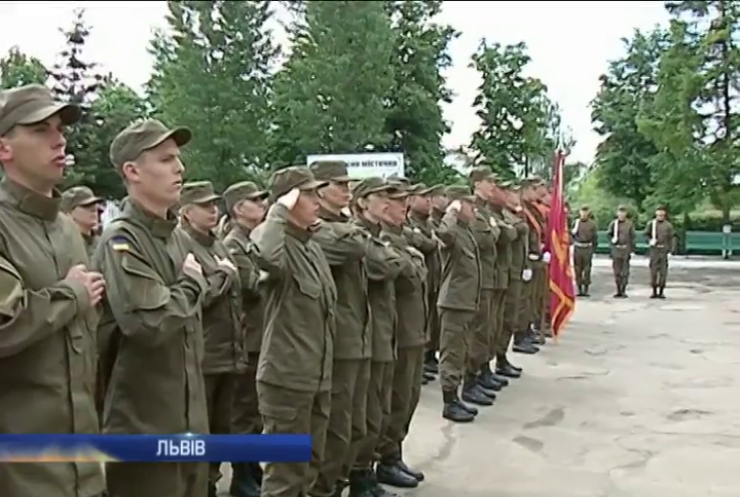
(213, 75)
(520, 125)
(333, 94)
(18, 69)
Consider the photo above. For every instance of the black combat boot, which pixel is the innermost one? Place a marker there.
(580, 291)
(409, 470)
(505, 368)
(341, 485)
(661, 289)
(486, 370)
(522, 345)
(654, 295)
(392, 474)
(429, 376)
(246, 479)
(424, 380)
(431, 364)
(454, 410)
(487, 380)
(472, 392)
(585, 291)
(362, 483)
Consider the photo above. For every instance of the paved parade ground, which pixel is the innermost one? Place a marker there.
(639, 399)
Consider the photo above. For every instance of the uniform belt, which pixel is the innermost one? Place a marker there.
(582, 244)
(620, 246)
(658, 246)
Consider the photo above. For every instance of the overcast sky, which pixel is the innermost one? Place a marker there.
(570, 44)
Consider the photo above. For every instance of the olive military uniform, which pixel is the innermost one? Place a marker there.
(345, 246)
(81, 196)
(459, 298)
(224, 340)
(531, 301)
(383, 265)
(155, 382)
(47, 330)
(411, 311)
(246, 418)
(660, 237)
(622, 240)
(585, 241)
(294, 375)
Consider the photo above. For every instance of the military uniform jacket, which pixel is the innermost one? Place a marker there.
(424, 240)
(241, 248)
(625, 242)
(345, 246)
(461, 267)
(300, 306)
(383, 265)
(664, 235)
(519, 250)
(155, 354)
(586, 235)
(47, 341)
(91, 243)
(503, 246)
(222, 328)
(486, 234)
(410, 288)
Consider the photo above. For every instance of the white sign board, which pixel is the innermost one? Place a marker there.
(362, 166)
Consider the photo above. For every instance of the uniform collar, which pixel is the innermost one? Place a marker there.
(205, 239)
(392, 229)
(30, 202)
(300, 234)
(328, 215)
(160, 228)
(373, 228)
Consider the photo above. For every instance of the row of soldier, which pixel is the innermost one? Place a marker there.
(659, 235)
(303, 318)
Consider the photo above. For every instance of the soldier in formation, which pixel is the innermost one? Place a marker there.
(585, 239)
(324, 314)
(622, 239)
(661, 242)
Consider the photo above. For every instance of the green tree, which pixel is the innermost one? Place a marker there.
(333, 94)
(212, 73)
(18, 69)
(625, 155)
(693, 117)
(76, 81)
(514, 110)
(415, 122)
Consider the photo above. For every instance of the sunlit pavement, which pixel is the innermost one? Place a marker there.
(639, 398)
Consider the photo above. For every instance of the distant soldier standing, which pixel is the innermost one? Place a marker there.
(525, 339)
(622, 239)
(439, 204)
(345, 246)
(294, 375)
(81, 204)
(660, 236)
(48, 296)
(155, 292)
(222, 328)
(585, 241)
(245, 210)
(459, 298)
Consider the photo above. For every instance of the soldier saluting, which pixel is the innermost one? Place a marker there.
(47, 298)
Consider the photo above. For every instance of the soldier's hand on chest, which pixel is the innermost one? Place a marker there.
(190, 264)
(93, 282)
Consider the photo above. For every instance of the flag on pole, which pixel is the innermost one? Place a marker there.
(562, 296)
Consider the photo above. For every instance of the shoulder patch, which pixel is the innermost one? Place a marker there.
(119, 243)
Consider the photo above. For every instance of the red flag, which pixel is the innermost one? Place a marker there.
(562, 296)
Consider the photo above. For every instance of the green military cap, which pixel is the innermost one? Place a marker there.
(398, 190)
(301, 177)
(398, 179)
(438, 189)
(459, 192)
(622, 208)
(367, 186)
(139, 137)
(585, 208)
(530, 182)
(78, 196)
(419, 189)
(482, 173)
(31, 104)
(198, 192)
(330, 171)
(660, 207)
(245, 190)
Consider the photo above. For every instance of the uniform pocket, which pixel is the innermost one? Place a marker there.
(308, 287)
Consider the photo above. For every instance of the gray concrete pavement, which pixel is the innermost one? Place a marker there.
(638, 399)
